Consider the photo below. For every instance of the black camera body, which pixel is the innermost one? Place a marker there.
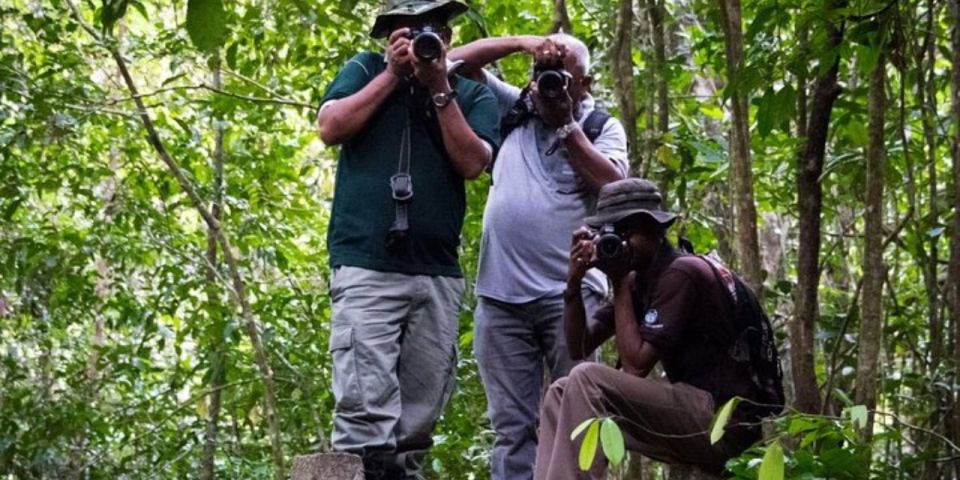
(427, 44)
(552, 82)
(609, 245)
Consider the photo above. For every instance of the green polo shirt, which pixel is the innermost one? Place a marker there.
(363, 207)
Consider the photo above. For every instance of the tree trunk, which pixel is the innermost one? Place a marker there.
(561, 20)
(810, 199)
(217, 356)
(622, 54)
(927, 99)
(871, 311)
(657, 26)
(741, 174)
(954, 273)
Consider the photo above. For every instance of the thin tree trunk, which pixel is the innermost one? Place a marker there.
(871, 311)
(622, 54)
(741, 174)
(238, 290)
(954, 268)
(561, 19)
(927, 98)
(810, 199)
(657, 25)
(218, 376)
(803, 40)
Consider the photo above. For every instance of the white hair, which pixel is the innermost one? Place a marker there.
(575, 47)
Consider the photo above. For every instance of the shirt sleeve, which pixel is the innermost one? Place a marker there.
(669, 312)
(483, 116)
(612, 143)
(352, 77)
(506, 94)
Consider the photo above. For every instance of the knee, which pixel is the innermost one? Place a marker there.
(586, 373)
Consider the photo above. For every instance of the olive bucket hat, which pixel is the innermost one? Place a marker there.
(394, 9)
(630, 196)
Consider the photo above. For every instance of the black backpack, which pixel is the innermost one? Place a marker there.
(751, 344)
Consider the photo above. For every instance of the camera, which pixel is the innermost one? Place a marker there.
(427, 44)
(609, 245)
(551, 83)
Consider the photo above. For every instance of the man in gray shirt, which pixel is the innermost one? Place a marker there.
(545, 181)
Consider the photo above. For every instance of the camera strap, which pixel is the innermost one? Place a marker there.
(401, 188)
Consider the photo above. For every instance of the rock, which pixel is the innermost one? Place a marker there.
(327, 466)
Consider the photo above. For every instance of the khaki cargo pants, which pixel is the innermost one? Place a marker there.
(394, 345)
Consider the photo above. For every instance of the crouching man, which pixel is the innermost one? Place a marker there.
(688, 312)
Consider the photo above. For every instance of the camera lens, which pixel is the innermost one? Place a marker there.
(550, 84)
(609, 246)
(427, 46)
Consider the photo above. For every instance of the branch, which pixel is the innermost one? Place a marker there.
(213, 225)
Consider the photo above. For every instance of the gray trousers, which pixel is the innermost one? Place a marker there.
(512, 343)
(394, 345)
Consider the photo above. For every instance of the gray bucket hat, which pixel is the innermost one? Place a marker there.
(394, 9)
(630, 196)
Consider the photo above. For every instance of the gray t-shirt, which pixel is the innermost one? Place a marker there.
(535, 203)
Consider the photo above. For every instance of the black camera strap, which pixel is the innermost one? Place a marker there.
(401, 188)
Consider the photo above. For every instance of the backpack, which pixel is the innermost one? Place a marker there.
(752, 346)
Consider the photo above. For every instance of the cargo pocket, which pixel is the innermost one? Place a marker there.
(346, 386)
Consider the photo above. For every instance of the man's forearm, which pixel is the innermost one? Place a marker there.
(628, 337)
(341, 120)
(575, 322)
(480, 53)
(595, 169)
(469, 154)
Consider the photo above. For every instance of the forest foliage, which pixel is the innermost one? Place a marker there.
(164, 199)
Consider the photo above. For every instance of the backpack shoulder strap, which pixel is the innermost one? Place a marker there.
(593, 125)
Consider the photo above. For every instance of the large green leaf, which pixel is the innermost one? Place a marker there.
(721, 419)
(588, 449)
(611, 439)
(771, 468)
(207, 24)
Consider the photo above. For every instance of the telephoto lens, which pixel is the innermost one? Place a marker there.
(550, 84)
(427, 45)
(609, 245)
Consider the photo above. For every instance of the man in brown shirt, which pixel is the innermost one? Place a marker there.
(667, 307)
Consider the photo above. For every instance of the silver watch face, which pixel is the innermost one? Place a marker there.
(441, 99)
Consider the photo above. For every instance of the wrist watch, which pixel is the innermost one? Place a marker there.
(565, 131)
(443, 99)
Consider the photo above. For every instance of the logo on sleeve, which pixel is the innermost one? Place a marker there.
(650, 319)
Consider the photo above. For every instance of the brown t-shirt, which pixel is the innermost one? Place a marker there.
(680, 306)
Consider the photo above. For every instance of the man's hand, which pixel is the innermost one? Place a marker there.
(583, 255)
(400, 54)
(555, 112)
(432, 73)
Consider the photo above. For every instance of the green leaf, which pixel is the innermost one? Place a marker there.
(611, 439)
(580, 428)
(721, 419)
(771, 468)
(858, 415)
(206, 24)
(588, 449)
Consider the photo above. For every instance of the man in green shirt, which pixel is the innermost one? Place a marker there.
(396, 285)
